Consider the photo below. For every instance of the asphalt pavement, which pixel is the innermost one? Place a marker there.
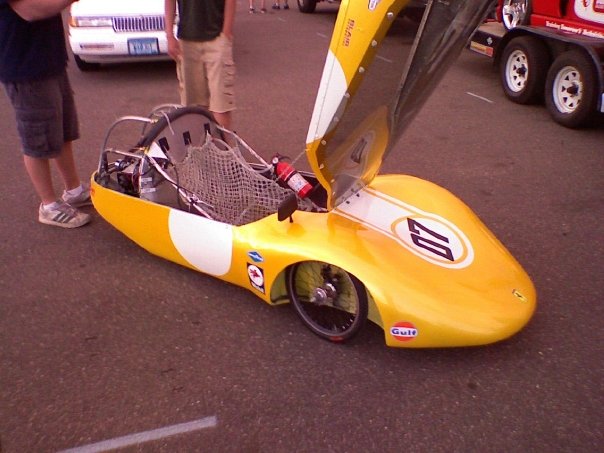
(104, 344)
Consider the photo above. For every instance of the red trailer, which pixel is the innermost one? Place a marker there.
(552, 51)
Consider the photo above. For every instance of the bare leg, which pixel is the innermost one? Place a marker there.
(39, 174)
(225, 119)
(67, 169)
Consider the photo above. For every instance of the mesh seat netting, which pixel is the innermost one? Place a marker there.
(230, 189)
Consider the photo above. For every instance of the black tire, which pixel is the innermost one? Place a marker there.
(84, 65)
(571, 95)
(178, 127)
(307, 6)
(523, 69)
(516, 12)
(331, 302)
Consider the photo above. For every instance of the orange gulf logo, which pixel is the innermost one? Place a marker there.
(426, 235)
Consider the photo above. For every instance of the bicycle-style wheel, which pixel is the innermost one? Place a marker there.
(331, 302)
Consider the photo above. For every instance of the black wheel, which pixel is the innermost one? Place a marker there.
(330, 301)
(571, 95)
(515, 12)
(179, 128)
(523, 69)
(84, 65)
(307, 6)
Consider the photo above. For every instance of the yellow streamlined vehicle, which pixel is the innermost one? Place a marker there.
(397, 250)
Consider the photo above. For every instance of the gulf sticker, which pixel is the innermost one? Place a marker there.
(404, 331)
(256, 276)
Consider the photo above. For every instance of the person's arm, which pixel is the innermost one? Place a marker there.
(31, 10)
(170, 13)
(229, 18)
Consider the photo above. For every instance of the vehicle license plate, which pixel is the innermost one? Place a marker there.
(143, 46)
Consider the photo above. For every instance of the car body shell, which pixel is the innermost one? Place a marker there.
(477, 295)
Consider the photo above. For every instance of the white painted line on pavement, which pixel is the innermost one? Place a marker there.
(322, 35)
(480, 97)
(145, 436)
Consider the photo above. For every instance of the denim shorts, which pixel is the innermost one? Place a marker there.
(46, 115)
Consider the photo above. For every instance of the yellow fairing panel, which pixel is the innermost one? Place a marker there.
(359, 28)
(374, 83)
(436, 267)
(437, 275)
(143, 222)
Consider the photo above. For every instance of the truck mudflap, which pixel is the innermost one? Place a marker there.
(486, 39)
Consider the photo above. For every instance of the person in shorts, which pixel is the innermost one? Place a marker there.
(203, 50)
(33, 61)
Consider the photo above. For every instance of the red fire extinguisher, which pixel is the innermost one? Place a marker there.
(287, 174)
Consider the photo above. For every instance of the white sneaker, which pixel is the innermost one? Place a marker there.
(64, 216)
(77, 201)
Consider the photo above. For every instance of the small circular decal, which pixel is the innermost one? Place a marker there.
(255, 274)
(404, 331)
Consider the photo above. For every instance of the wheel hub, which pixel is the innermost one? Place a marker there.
(567, 90)
(323, 295)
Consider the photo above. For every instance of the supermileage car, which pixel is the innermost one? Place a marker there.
(341, 243)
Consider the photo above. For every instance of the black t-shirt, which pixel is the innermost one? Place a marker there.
(200, 20)
(30, 50)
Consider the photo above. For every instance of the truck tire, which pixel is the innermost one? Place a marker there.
(515, 12)
(523, 69)
(307, 6)
(571, 95)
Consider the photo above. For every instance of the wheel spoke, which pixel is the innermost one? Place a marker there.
(327, 299)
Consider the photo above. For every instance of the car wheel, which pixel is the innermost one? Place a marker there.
(331, 302)
(515, 12)
(84, 65)
(307, 6)
(571, 96)
(523, 69)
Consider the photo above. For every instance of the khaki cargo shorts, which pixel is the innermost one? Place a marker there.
(206, 74)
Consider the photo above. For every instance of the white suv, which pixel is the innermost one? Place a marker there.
(111, 31)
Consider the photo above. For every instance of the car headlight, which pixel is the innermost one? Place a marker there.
(91, 22)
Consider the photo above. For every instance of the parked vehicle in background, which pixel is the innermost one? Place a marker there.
(112, 31)
(309, 6)
(550, 50)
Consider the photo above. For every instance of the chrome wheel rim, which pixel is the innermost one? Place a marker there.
(514, 12)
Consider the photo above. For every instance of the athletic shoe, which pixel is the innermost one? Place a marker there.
(276, 6)
(286, 6)
(263, 10)
(64, 216)
(252, 10)
(77, 201)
